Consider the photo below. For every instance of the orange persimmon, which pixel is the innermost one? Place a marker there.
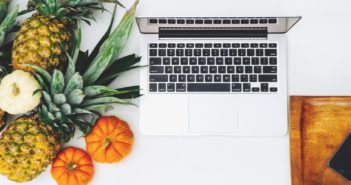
(72, 166)
(110, 140)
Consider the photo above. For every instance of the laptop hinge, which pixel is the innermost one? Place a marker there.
(214, 32)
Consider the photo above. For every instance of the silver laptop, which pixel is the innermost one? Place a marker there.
(214, 75)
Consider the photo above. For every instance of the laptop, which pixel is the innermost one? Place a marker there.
(214, 75)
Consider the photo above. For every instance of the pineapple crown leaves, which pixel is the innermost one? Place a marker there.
(109, 48)
(71, 9)
(68, 99)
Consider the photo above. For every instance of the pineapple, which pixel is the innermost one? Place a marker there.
(73, 99)
(27, 147)
(44, 36)
(29, 144)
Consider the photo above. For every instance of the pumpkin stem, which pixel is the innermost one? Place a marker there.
(107, 142)
(15, 89)
(72, 166)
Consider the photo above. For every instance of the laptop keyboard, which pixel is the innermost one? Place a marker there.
(213, 67)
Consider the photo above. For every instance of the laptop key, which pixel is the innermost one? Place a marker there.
(190, 45)
(186, 69)
(177, 69)
(153, 52)
(206, 52)
(170, 52)
(162, 45)
(188, 52)
(152, 87)
(230, 69)
(244, 78)
(208, 78)
(166, 61)
(175, 61)
(237, 61)
(267, 78)
(155, 61)
(158, 78)
(248, 69)
(273, 61)
(199, 45)
(264, 87)
(190, 78)
(161, 87)
(181, 78)
(271, 52)
(195, 69)
(235, 78)
(255, 89)
(210, 61)
(221, 69)
(197, 52)
(173, 78)
(180, 87)
(217, 78)
(246, 87)
(170, 87)
(273, 89)
(257, 69)
(180, 52)
(193, 61)
(232, 52)
(153, 45)
(156, 69)
(204, 69)
(208, 87)
(219, 61)
(202, 61)
(226, 78)
(215, 52)
(228, 61)
(213, 69)
(161, 52)
(184, 61)
(224, 52)
(236, 87)
(269, 69)
(239, 69)
(253, 78)
(199, 78)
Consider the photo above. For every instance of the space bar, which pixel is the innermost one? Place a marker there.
(208, 87)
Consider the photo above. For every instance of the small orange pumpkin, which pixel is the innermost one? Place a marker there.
(110, 140)
(72, 166)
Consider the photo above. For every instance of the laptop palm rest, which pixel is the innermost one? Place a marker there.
(213, 114)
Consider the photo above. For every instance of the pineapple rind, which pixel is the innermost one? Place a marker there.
(40, 41)
(27, 147)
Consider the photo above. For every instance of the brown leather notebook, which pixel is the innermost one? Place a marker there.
(318, 126)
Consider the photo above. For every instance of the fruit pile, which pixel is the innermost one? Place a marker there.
(49, 87)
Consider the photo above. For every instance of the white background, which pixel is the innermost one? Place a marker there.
(319, 64)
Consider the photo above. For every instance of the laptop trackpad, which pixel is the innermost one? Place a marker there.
(213, 114)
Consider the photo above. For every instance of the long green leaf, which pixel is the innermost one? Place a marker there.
(76, 82)
(130, 92)
(100, 109)
(119, 66)
(104, 100)
(71, 69)
(111, 48)
(96, 50)
(92, 91)
(40, 71)
(58, 82)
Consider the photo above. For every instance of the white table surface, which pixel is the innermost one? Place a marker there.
(319, 64)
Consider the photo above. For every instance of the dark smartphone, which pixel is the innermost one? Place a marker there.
(341, 161)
